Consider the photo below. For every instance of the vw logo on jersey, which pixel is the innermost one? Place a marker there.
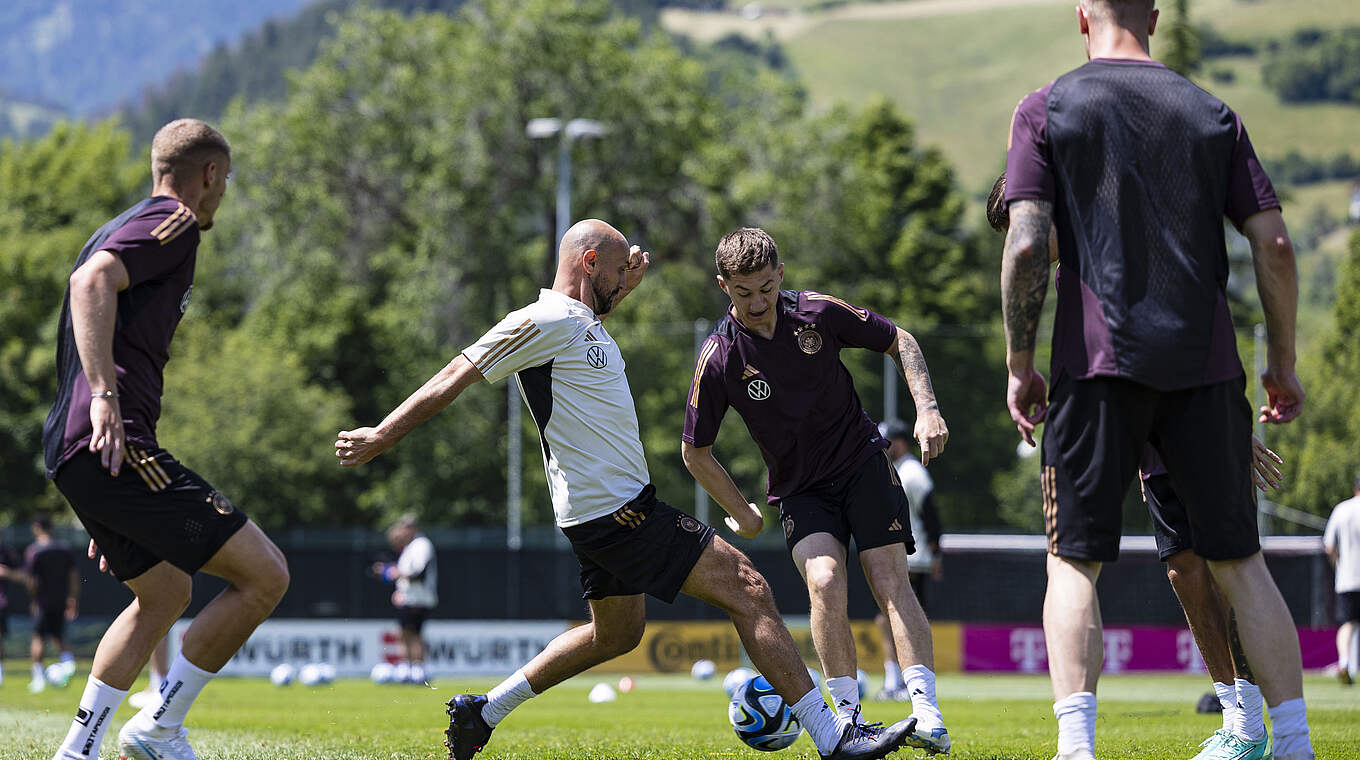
(758, 390)
(184, 302)
(596, 357)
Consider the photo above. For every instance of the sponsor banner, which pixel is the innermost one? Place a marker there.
(355, 646)
(672, 647)
(1127, 649)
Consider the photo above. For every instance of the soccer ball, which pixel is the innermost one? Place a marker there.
(58, 674)
(311, 675)
(282, 675)
(703, 669)
(381, 673)
(733, 681)
(327, 672)
(761, 718)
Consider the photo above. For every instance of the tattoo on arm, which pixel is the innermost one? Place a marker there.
(1024, 272)
(1239, 657)
(912, 362)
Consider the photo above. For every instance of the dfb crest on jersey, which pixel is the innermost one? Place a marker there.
(596, 357)
(809, 340)
(758, 390)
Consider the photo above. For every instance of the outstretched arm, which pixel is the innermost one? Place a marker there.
(355, 447)
(1024, 284)
(931, 433)
(745, 519)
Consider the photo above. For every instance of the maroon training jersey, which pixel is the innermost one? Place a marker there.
(156, 240)
(1141, 167)
(792, 390)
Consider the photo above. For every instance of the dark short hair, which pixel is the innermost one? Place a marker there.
(998, 214)
(1122, 12)
(749, 249)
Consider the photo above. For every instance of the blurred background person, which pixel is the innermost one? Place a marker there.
(11, 572)
(924, 564)
(1342, 542)
(53, 585)
(416, 577)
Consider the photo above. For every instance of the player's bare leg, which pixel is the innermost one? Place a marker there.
(820, 558)
(725, 578)
(1346, 654)
(258, 576)
(1075, 652)
(885, 567)
(1271, 643)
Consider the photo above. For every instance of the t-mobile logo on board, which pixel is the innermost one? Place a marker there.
(1118, 650)
(1027, 649)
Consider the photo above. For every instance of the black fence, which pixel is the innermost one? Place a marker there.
(1000, 581)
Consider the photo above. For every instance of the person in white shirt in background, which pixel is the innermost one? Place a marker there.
(1342, 542)
(416, 577)
(925, 563)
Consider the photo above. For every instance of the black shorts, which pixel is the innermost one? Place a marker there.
(867, 503)
(1170, 524)
(51, 622)
(412, 619)
(644, 547)
(1348, 607)
(155, 510)
(1093, 441)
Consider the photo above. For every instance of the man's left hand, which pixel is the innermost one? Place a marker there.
(931, 434)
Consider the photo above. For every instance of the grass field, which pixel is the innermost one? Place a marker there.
(990, 718)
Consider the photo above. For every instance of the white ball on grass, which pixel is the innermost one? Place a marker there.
(703, 669)
(282, 675)
(381, 673)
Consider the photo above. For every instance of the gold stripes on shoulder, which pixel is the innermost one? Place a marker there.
(863, 314)
(146, 466)
(173, 225)
(511, 343)
(704, 355)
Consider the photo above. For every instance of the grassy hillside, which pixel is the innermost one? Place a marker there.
(959, 66)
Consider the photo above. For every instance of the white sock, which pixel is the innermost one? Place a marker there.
(1290, 721)
(178, 691)
(1076, 723)
(97, 706)
(68, 659)
(844, 694)
(921, 685)
(156, 680)
(822, 723)
(1227, 697)
(1251, 719)
(508, 694)
(892, 676)
(38, 671)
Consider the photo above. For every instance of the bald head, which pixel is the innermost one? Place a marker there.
(590, 235)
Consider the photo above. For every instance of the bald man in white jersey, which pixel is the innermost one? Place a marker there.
(628, 542)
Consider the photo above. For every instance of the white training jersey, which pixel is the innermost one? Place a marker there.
(418, 576)
(918, 484)
(570, 373)
(1343, 537)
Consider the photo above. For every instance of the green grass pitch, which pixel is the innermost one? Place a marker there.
(990, 718)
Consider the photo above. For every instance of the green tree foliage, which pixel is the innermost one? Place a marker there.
(391, 209)
(1322, 447)
(1317, 66)
(54, 193)
(1183, 53)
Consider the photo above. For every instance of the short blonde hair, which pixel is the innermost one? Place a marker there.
(185, 145)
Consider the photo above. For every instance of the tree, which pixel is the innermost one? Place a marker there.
(54, 193)
(1183, 53)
